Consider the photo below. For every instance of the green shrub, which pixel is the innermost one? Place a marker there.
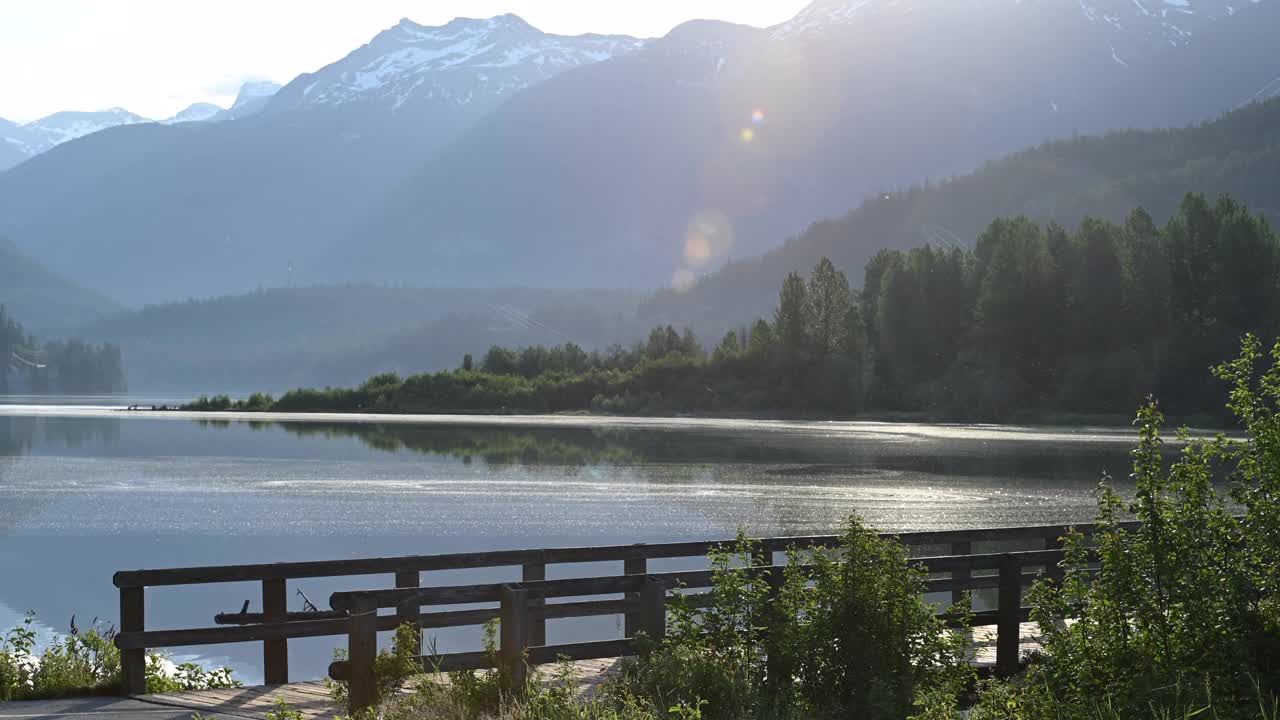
(87, 662)
(848, 635)
(1179, 617)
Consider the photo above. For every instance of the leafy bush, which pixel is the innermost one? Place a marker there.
(87, 662)
(1179, 617)
(848, 635)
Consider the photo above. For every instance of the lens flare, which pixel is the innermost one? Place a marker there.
(697, 248)
(708, 237)
(748, 135)
(757, 117)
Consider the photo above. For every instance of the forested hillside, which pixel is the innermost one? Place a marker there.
(72, 367)
(1034, 321)
(1061, 182)
(48, 303)
(335, 335)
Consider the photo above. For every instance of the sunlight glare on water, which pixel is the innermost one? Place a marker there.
(89, 491)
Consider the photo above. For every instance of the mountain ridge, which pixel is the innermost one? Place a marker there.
(48, 303)
(642, 170)
(1061, 181)
(25, 141)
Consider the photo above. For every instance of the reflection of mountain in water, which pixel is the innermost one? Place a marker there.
(21, 436)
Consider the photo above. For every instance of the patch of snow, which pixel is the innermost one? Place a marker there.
(441, 63)
(62, 127)
(22, 147)
(199, 112)
(255, 90)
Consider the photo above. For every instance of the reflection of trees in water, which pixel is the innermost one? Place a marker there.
(495, 447)
(799, 455)
(736, 460)
(21, 436)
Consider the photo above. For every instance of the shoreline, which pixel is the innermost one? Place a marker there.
(905, 429)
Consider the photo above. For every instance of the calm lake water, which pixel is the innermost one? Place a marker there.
(85, 492)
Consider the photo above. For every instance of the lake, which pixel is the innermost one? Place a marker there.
(89, 490)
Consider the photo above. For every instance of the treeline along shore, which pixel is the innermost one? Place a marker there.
(58, 367)
(1034, 320)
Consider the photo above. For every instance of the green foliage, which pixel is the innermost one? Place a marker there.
(1034, 320)
(86, 661)
(1177, 617)
(847, 635)
(68, 367)
(283, 711)
(1063, 181)
(16, 666)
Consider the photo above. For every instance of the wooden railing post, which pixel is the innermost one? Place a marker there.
(653, 608)
(275, 653)
(774, 671)
(409, 612)
(362, 653)
(633, 566)
(961, 548)
(514, 633)
(1053, 570)
(534, 572)
(1009, 616)
(133, 663)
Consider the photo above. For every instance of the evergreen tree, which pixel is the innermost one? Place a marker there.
(827, 306)
(791, 326)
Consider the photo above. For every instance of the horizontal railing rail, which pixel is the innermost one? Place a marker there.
(646, 595)
(275, 625)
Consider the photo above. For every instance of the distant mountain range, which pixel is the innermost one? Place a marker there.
(486, 153)
(21, 142)
(448, 76)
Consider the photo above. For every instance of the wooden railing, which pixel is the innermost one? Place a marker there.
(351, 615)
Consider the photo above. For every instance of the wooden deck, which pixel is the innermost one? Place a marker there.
(313, 701)
(309, 698)
(632, 588)
(312, 698)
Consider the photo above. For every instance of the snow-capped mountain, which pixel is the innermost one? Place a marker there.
(462, 63)
(24, 141)
(61, 127)
(251, 100)
(20, 142)
(198, 112)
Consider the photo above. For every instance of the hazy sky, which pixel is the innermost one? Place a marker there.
(155, 57)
